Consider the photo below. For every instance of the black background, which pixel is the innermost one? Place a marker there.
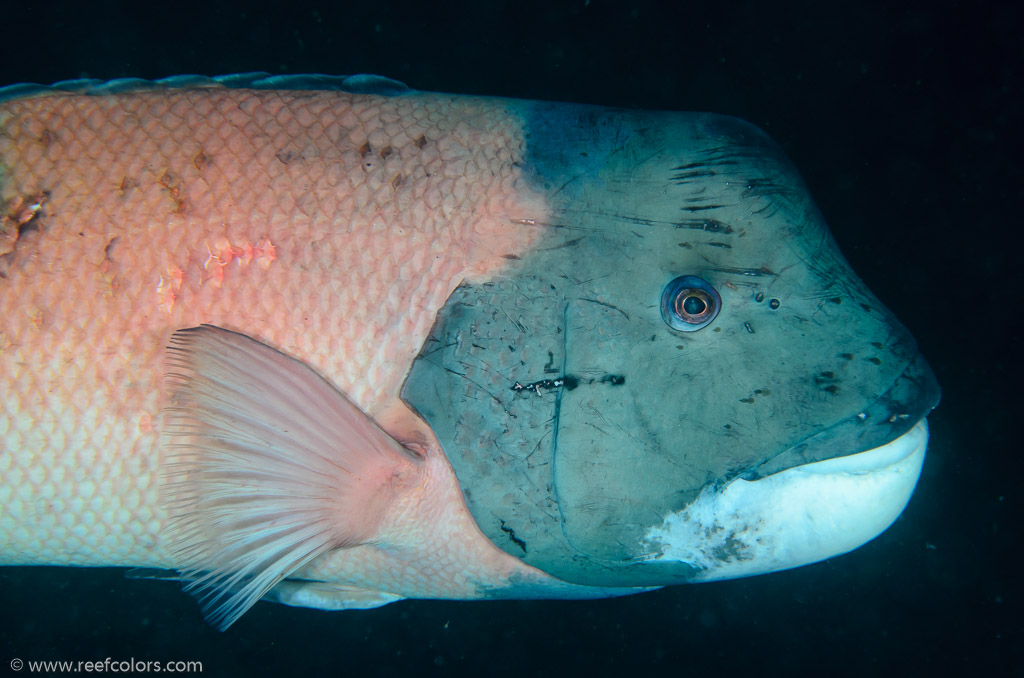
(905, 121)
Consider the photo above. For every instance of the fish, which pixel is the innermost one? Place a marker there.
(332, 342)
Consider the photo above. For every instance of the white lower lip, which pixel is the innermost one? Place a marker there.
(795, 517)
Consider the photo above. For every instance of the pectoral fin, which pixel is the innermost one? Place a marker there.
(268, 467)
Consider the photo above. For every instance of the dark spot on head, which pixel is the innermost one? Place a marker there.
(732, 550)
(549, 366)
(828, 375)
(709, 225)
(875, 361)
(876, 344)
(773, 304)
(832, 389)
(748, 401)
(836, 300)
(613, 379)
(866, 307)
(846, 356)
(686, 245)
(510, 256)
(512, 536)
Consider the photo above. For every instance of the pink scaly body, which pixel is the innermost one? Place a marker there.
(328, 225)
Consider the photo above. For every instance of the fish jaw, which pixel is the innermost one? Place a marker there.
(799, 516)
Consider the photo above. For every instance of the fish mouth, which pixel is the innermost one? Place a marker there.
(797, 516)
(913, 394)
(826, 495)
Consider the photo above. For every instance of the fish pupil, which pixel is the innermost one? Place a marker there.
(694, 305)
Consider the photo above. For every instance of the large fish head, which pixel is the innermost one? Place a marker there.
(683, 380)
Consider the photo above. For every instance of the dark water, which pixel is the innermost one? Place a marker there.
(905, 122)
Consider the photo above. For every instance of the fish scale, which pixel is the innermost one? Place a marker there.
(264, 212)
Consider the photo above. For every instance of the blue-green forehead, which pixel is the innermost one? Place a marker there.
(696, 173)
(566, 142)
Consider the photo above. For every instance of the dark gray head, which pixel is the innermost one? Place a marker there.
(683, 343)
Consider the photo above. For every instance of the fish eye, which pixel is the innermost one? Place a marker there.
(689, 303)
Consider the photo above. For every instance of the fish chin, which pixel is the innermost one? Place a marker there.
(798, 516)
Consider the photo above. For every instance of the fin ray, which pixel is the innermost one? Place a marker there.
(268, 468)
